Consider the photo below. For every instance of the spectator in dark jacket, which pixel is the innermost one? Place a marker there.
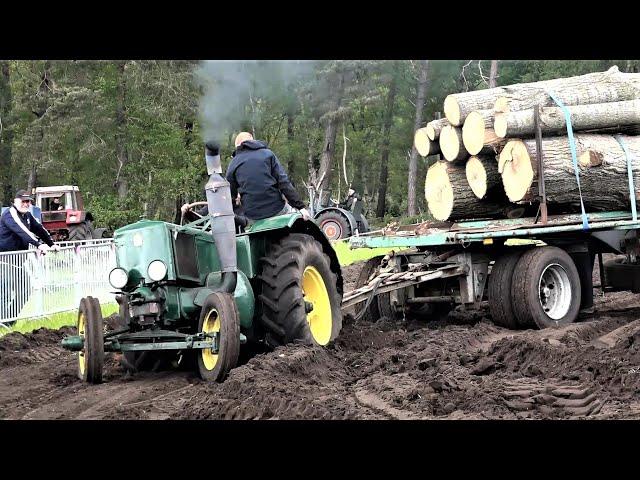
(257, 175)
(18, 228)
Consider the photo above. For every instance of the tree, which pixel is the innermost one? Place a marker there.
(384, 150)
(423, 74)
(6, 132)
(493, 74)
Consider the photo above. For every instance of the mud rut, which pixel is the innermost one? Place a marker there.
(462, 367)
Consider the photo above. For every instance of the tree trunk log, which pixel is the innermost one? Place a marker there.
(583, 117)
(478, 135)
(482, 176)
(602, 165)
(449, 196)
(413, 158)
(451, 144)
(423, 145)
(599, 87)
(434, 128)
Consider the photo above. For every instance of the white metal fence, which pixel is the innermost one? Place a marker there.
(34, 285)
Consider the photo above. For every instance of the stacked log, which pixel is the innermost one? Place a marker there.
(488, 166)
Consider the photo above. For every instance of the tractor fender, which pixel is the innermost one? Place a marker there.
(294, 223)
(75, 217)
(243, 296)
(345, 213)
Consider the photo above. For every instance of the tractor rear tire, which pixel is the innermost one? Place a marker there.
(296, 276)
(219, 314)
(373, 312)
(499, 290)
(90, 325)
(546, 288)
(334, 225)
(81, 231)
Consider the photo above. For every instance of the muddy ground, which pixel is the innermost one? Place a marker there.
(461, 368)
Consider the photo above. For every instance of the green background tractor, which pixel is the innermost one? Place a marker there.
(204, 288)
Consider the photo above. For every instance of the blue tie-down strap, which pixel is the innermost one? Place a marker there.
(574, 156)
(632, 192)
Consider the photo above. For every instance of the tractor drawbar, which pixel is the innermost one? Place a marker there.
(223, 227)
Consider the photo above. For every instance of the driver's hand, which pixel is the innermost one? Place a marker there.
(44, 248)
(184, 208)
(305, 213)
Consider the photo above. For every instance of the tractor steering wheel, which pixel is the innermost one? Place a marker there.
(191, 213)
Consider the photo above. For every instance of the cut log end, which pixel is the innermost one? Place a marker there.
(476, 177)
(517, 171)
(473, 133)
(452, 110)
(500, 124)
(422, 142)
(438, 191)
(451, 144)
(431, 132)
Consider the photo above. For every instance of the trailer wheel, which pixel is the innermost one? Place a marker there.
(373, 313)
(90, 326)
(545, 288)
(299, 298)
(499, 290)
(334, 225)
(219, 314)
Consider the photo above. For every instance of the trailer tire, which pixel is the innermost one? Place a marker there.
(373, 313)
(292, 264)
(90, 325)
(547, 288)
(499, 290)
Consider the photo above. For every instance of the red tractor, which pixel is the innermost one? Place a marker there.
(63, 214)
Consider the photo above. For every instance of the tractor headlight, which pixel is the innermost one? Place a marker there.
(157, 270)
(118, 278)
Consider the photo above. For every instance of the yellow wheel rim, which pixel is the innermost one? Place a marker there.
(82, 322)
(315, 292)
(211, 325)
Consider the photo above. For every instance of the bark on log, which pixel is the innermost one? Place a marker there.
(449, 196)
(434, 128)
(451, 144)
(599, 87)
(424, 146)
(603, 171)
(478, 135)
(583, 117)
(482, 176)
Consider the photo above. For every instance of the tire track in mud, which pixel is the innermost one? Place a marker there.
(461, 367)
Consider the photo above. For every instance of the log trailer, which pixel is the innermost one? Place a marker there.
(535, 274)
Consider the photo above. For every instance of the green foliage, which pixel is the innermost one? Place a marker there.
(64, 124)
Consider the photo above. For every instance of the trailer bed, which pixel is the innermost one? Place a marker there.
(434, 234)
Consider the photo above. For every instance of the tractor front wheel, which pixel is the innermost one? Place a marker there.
(334, 225)
(299, 297)
(90, 326)
(219, 315)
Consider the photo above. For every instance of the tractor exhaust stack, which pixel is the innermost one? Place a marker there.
(223, 227)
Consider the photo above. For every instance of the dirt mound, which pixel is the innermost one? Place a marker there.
(459, 367)
(40, 345)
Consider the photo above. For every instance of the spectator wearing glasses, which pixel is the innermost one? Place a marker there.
(18, 228)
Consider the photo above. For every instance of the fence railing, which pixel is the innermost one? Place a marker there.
(33, 285)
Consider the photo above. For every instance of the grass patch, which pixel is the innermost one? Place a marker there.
(55, 321)
(348, 256)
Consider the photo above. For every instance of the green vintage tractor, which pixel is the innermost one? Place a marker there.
(202, 289)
